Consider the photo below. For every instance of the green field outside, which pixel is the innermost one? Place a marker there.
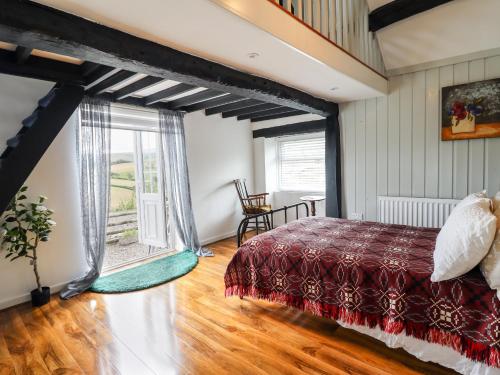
(122, 187)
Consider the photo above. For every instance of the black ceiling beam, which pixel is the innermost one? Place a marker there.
(40, 68)
(137, 102)
(23, 54)
(279, 115)
(245, 111)
(111, 81)
(221, 100)
(232, 106)
(194, 98)
(93, 75)
(88, 68)
(399, 10)
(269, 112)
(167, 93)
(37, 26)
(305, 127)
(136, 86)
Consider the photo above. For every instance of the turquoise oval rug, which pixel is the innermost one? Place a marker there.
(147, 275)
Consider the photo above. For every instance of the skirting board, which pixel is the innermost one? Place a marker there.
(219, 237)
(9, 302)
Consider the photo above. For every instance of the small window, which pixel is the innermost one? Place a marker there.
(302, 164)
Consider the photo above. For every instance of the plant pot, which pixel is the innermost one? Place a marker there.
(39, 299)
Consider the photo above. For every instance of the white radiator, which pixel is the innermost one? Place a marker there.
(418, 212)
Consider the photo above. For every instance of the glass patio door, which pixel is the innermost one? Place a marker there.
(151, 213)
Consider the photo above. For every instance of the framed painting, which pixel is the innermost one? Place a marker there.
(471, 110)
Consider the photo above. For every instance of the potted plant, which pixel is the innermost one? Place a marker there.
(24, 225)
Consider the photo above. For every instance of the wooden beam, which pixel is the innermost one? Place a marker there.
(105, 84)
(279, 115)
(398, 10)
(40, 68)
(194, 98)
(23, 54)
(269, 112)
(221, 100)
(88, 68)
(37, 26)
(136, 86)
(94, 75)
(167, 93)
(304, 127)
(136, 102)
(252, 109)
(333, 166)
(229, 107)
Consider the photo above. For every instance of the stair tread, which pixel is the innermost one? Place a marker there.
(38, 133)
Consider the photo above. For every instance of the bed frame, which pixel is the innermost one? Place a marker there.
(268, 219)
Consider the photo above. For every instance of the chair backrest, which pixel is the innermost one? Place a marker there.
(241, 189)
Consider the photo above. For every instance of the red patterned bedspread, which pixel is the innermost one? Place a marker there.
(369, 274)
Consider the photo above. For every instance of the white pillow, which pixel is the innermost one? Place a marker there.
(464, 240)
(490, 265)
(471, 198)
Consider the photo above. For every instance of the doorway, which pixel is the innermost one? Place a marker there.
(138, 222)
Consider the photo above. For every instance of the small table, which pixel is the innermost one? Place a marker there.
(312, 199)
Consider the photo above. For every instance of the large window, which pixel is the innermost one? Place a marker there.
(301, 163)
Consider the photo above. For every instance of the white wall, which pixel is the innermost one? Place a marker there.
(392, 145)
(218, 151)
(61, 259)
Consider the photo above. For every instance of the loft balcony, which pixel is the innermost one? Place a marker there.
(337, 66)
(331, 52)
(342, 22)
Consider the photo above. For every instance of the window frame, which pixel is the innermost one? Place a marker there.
(291, 138)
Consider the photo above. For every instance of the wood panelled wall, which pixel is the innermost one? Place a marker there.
(392, 145)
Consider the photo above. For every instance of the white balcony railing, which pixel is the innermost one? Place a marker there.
(344, 22)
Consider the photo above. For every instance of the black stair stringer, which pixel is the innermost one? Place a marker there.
(39, 130)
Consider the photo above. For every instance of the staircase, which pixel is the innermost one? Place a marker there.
(37, 133)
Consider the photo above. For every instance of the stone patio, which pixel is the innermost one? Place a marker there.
(121, 242)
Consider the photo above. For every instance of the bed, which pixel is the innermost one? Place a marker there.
(374, 278)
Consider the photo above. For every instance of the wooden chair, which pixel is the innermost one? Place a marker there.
(253, 204)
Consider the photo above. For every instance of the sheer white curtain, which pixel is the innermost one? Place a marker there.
(93, 149)
(176, 181)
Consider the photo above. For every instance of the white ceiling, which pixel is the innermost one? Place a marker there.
(208, 30)
(374, 4)
(458, 28)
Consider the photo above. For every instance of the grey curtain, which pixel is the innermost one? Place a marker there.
(176, 181)
(93, 150)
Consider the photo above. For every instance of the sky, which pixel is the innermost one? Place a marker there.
(122, 141)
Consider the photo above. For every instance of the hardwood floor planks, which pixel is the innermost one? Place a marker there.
(25, 357)
(6, 362)
(188, 327)
(55, 355)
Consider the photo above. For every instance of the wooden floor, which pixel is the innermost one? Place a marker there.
(188, 327)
